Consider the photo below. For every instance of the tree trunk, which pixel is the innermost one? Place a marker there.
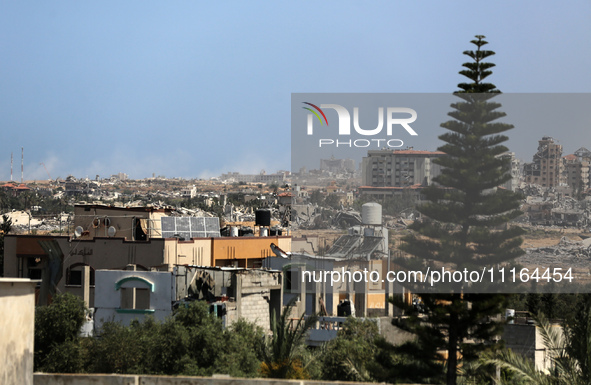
(452, 349)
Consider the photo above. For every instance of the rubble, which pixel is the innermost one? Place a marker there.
(567, 253)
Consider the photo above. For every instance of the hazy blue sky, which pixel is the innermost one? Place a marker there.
(194, 89)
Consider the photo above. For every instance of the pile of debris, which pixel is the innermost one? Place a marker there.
(567, 253)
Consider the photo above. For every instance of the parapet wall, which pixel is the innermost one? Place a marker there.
(111, 379)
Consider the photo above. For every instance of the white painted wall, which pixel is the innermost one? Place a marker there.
(107, 298)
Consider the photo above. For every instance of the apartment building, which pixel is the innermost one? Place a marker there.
(546, 169)
(400, 168)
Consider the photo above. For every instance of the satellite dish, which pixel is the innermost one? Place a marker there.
(112, 231)
(78, 231)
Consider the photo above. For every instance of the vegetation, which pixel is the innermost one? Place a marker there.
(359, 353)
(283, 354)
(192, 342)
(58, 346)
(460, 226)
(569, 353)
(24, 201)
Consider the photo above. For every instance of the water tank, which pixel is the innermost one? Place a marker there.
(371, 214)
(262, 218)
(233, 231)
(264, 232)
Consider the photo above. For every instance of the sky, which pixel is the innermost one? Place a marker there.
(195, 89)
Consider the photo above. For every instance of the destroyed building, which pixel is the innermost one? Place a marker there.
(337, 165)
(546, 168)
(232, 293)
(515, 171)
(576, 169)
(111, 238)
(399, 168)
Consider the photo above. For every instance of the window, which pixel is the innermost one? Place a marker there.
(134, 299)
(74, 275)
(287, 283)
(74, 278)
(34, 267)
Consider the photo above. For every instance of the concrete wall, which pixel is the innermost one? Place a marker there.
(195, 252)
(17, 322)
(245, 250)
(118, 217)
(527, 341)
(259, 293)
(21, 252)
(105, 379)
(108, 295)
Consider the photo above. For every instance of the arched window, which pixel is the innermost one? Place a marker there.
(135, 294)
(74, 274)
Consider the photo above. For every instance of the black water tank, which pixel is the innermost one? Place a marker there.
(262, 218)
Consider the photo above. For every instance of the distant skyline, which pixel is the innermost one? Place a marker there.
(564, 116)
(194, 90)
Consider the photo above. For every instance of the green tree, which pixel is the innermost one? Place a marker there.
(192, 342)
(359, 353)
(57, 330)
(548, 302)
(332, 201)
(568, 352)
(283, 354)
(462, 218)
(242, 353)
(533, 303)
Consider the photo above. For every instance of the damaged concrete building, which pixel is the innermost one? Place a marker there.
(232, 293)
(576, 169)
(399, 168)
(111, 238)
(546, 168)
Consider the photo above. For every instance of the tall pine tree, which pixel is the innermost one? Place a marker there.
(465, 223)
